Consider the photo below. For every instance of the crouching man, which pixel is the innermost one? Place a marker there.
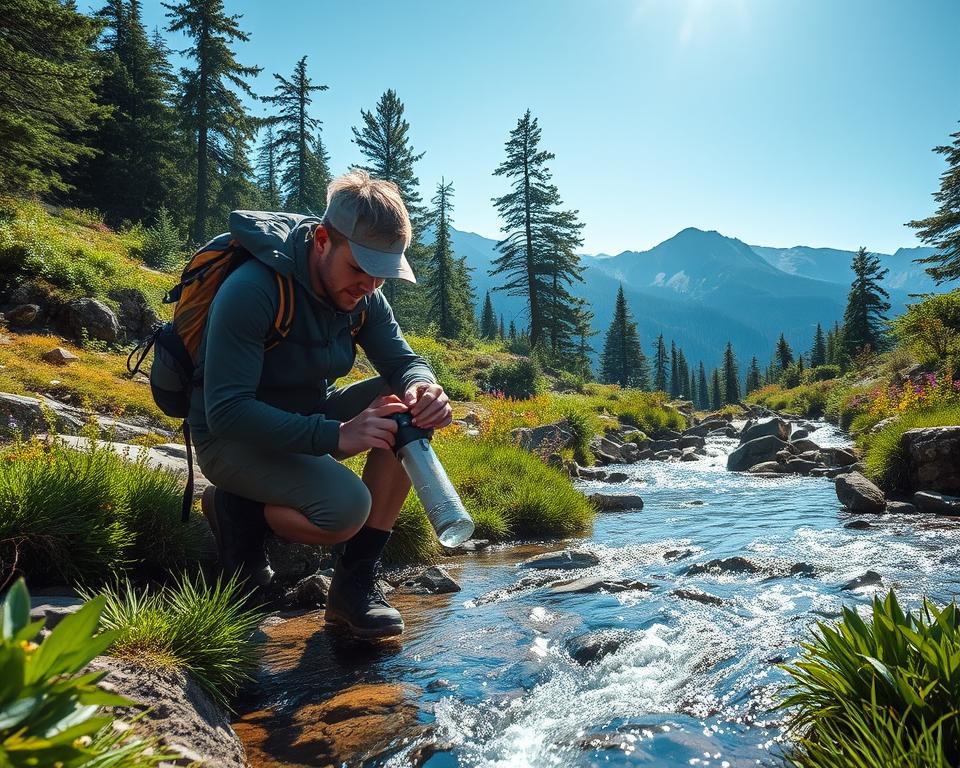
(268, 423)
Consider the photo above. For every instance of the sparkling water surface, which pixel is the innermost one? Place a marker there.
(693, 683)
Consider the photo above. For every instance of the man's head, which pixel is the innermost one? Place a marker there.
(361, 240)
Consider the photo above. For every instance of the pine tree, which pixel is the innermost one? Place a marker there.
(208, 103)
(942, 230)
(318, 173)
(716, 393)
(488, 322)
(660, 366)
(537, 256)
(772, 373)
(234, 187)
(293, 142)
(445, 282)
(831, 348)
(583, 328)
(683, 372)
(47, 96)
(818, 353)
(500, 334)
(623, 361)
(674, 380)
(754, 376)
(267, 169)
(703, 389)
(731, 376)
(783, 354)
(693, 395)
(513, 331)
(866, 304)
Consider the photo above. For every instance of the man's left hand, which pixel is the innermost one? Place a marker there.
(429, 405)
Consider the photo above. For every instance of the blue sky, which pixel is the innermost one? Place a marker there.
(781, 122)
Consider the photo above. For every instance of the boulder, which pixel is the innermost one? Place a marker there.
(883, 424)
(611, 447)
(776, 427)
(291, 562)
(134, 312)
(689, 454)
(698, 596)
(800, 466)
(704, 428)
(667, 434)
(803, 445)
(838, 457)
(617, 477)
(754, 451)
(664, 445)
(858, 494)
(901, 508)
(59, 356)
(734, 564)
(868, 579)
(629, 453)
(22, 315)
(799, 434)
(594, 584)
(52, 609)
(813, 456)
(804, 570)
(933, 458)
(644, 455)
(310, 592)
(858, 525)
(767, 466)
(691, 441)
(544, 439)
(568, 559)
(588, 473)
(672, 453)
(437, 581)
(616, 502)
(592, 646)
(93, 319)
(938, 503)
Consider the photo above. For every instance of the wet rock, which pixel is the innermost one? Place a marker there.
(440, 684)
(292, 562)
(567, 559)
(734, 564)
(799, 434)
(93, 319)
(617, 477)
(858, 494)
(933, 458)
(698, 596)
(677, 554)
(59, 356)
(767, 427)
(593, 646)
(803, 569)
(813, 456)
(616, 502)
(645, 455)
(767, 466)
(691, 441)
(833, 472)
(938, 503)
(901, 508)
(437, 581)
(629, 453)
(689, 454)
(665, 445)
(800, 466)
(470, 545)
(667, 434)
(587, 473)
(868, 579)
(754, 451)
(838, 457)
(593, 584)
(858, 525)
(53, 609)
(310, 592)
(801, 446)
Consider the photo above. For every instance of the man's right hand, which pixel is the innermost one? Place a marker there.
(372, 428)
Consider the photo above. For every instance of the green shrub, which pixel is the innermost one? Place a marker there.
(646, 411)
(200, 628)
(48, 710)
(931, 329)
(413, 539)
(580, 434)
(519, 380)
(163, 244)
(821, 373)
(888, 690)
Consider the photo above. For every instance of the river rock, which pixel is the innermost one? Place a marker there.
(93, 319)
(691, 441)
(53, 609)
(933, 458)
(544, 439)
(617, 477)
(799, 434)
(593, 584)
(565, 560)
(310, 592)
(858, 525)
(901, 508)
(800, 466)
(804, 570)
(698, 596)
(616, 502)
(734, 564)
(803, 445)
(689, 454)
(858, 494)
(868, 579)
(672, 453)
(838, 457)
(664, 445)
(667, 434)
(437, 581)
(776, 427)
(593, 646)
(589, 473)
(629, 453)
(767, 466)
(290, 561)
(470, 545)
(754, 451)
(938, 503)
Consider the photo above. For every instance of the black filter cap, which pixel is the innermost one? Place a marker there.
(407, 432)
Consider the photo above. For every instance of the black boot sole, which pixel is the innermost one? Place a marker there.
(342, 622)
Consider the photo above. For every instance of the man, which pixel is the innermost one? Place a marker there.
(268, 423)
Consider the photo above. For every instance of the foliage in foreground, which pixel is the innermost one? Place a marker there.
(48, 710)
(200, 628)
(84, 516)
(881, 693)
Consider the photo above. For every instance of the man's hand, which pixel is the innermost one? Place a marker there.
(429, 405)
(371, 428)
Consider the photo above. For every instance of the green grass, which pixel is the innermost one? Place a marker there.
(879, 693)
(808, 400)
(71, 516)
(202, 629)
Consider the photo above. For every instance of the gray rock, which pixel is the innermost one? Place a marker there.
(23, 315)
(437, 581)
(800, 466)
(734, 564)
(53, 609)
(616, 502)
(677, 554)
(629, 453)
(868, 579)
(664, 445)
(698, 596)
(617, 477)
(672, 453)
(799, 434)
(593, 646)
(933, 458)
(587, 473)
(310, 592)
(668, 434)
(59, 356)
(644, 455)
(858, 494)
(832, 472)
(938, 503)
(754, 451)
(838, 457)
(544, 439)
(813, 456)
(611, 447)
(470, 545)
(883, 424)
(858, 525)
(689, 454)
(901, 508)
(803, 569)
(565, 560)
(767, 466)
(691, 441)
(92, 318)
(292, 562)
(776, 427)
(594, 584)
(803, 445)
(134, 312)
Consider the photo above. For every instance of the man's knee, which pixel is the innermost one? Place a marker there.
(352, 507)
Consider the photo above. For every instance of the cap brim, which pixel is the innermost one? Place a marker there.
(381, 263)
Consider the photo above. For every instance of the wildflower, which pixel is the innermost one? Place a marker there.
(28, 646)
(82, 741)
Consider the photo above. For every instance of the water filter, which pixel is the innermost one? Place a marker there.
(446, 512)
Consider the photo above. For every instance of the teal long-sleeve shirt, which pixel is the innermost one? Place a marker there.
(274, 398)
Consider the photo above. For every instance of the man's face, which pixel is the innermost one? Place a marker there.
(336, 275)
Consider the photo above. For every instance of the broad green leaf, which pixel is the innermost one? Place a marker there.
(71, 634)
(30, 631)
(19, 710)
(16, 610)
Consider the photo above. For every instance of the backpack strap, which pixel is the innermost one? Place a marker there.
(187, 502)
(283, 322)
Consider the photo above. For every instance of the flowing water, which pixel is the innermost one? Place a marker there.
(694, 680)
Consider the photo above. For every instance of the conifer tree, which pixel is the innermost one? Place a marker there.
(208, 103)
(703, 389)
(831, 348)
(623, 361)
(692, 388)
(683, 372)
(267, 169)
(537, 256)
(500, 334)
(754, 376)
(488, 321)
(445, 288)
(47, 96)
(293, 140)
(674, 378)
(783, 354)
(716, 393)
(866, 306)
(731, 376)
(513, 331)
(942, 229)
(818, 353)
(583, 328)
(660, 366)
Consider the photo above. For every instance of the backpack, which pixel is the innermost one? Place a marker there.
(176, 344)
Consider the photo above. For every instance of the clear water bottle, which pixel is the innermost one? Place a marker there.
(446, 512)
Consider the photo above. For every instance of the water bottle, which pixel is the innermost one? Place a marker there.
(445, 511)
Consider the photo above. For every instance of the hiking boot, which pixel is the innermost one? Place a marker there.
(238, 528)
(356, 601)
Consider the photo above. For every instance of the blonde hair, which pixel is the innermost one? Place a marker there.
(378, 202)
